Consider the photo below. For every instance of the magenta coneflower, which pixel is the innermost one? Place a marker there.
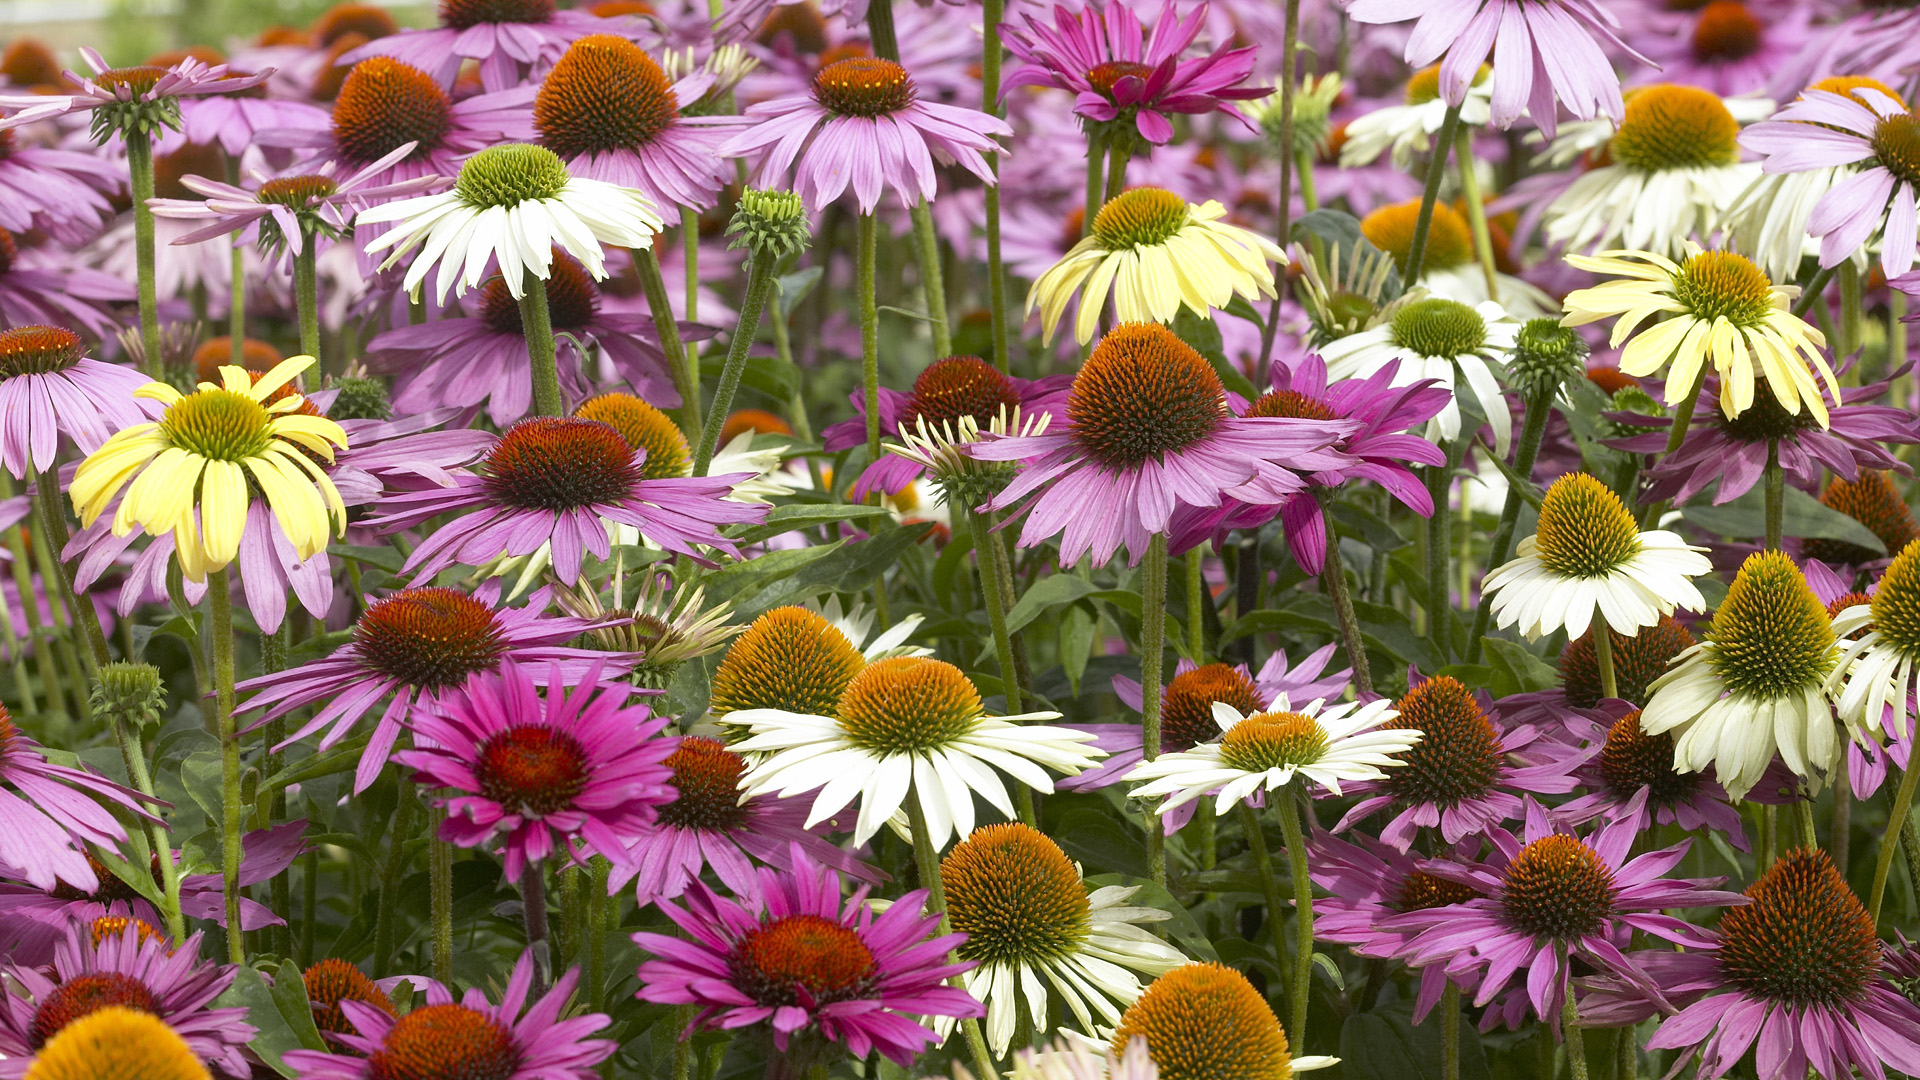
(949, 388)
(234, 121)
(468, 361)
(62, 191)
(1727, 47)
(507, 38)
(1146, 431)
(612, 114)
(467, 1038)
(123, 962)
(1631, 762)
(110, 91)
(1461, 778)
(49, 387)
(563, 481)
(1543, 51)
(49, 813)
(864, 127)
(40, 287)
(1797, 975)
(575, 774)
(1841, 129)
(820, 973)
(707, 825)
(418, 645)
(1733, 452)
(1119, 73)
(1382, 451)
(1549, 896)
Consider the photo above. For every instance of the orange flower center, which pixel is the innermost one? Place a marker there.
(604, 94)
(957, 386)
(532, 769)
(1186, 706)
(706, 776)
(864, 86)
(333, 981)
(1557, 888)
(431, 638)
(460, 14)
(561, 463)
(445, 1042)
(85, 994)
(1458, 756)
(1726, 31)
(1142, 394)
(384, 104)
(37, 350)
(782, 959)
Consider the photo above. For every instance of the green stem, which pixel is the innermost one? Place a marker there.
(1276, 917)
(987, 554)
(53, 522)
(1803, 810)
(1571, 1037)
(886, 44)
(1840, 827)
(1096, 182)
(686, 377)
(1436, 168)
(1309, 194)
(533, 909)
(1763, 858)
(1476, 209)
(237, 293)
(1283, 229)
(306, 299)
(43, 660)
(1334, 576)
(760, 279)
(309, 904)
(1153, 640)
(134, 753)
(401, 829)
(538, 327)
(1910, 846)
(1119, 152)
(440, 892)
(1450, 1032)
(1776, 483)
(1902, 810)
(1812, 292)
(991, 12)
(602, 909)
(1677, 434)
(1851, 309)
(1603, 654)
(140, 172)
(690, 255)
(869, 243)
(220, 608)
(932, 280)
(1439, 603)
(927, 860)
(1303, 916)
(1196, 587)
(1526, 450)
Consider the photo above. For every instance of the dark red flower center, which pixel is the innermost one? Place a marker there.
(367, 20)
(1637, 661)
(604, 94)
(558, 463)
(1633, 759)
(864, 86)
(384, 104)
(37, 350)
(460, 14)
(333, 981)
(1292, 405)
(1558, 888)
(532, 769)
(1726, 31)
(1459, 754)
(1420, 891)
(1102, 77)
(1142, 394)
(1186, 706)
(572, 299)
(706, 776)
(1802, 939)
(84, 995)
(27, 62)
(297, 192)
(776, 963)
(644, 428)
(431, 638)
(445, 1042)
(957, 386)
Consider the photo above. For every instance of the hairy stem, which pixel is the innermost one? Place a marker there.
(927, 860)
(686, 377)
(991, 12)
(869, 242)
(1883, 864)
(932, 280)
(232, 810)
(1303, 917)
(760, 279)
(1334, 576)
(139, 146)
(538, 327)
(1153, 640)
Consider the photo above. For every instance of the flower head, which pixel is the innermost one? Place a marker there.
(333, 982)
(1639, 657)
(47, 824)
(1444, 341)
(1159, 254)
(791, 659)
(49, 387)
(117, 1043)
(1204, 1021)
(1633, 776)
(1877, 669)
(507, 40)
(143, 99)
(1872, 500)
(1723, 309)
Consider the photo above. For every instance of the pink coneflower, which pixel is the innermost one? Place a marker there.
(949, 388)
(62, 191)
(418, 645)
(707, 825)
(1461, 778)
(234, 121)
(1146, 432)
(508, 38)
(467, 361)
(1854, 127)
(1733, 453)
(49, 387)
(469, 1038)
(1547, 897)
(1381, 451)
(115, 95)
(575, 774)
(1632, 762)
(562, 481)
(821, 974)
(1119, 73)
(123, 962)
(864, 127)
(611, 114)
(1520, 36)
(49, 813)
(1727, 47)
(1797, 975)
(38, 287)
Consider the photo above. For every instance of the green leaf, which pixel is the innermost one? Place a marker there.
(1800, 515)
(386, 558)
(1101, 843)
(785, 519)
(1204, 335)
(200, 775)
(1517, 670)
(742, 578)
(1340, 231)
(793, 288)
(1385, 1045)
(342, 758)
(274, 1038)
(848, 567)
(770, 375)
(137, 878)
(290, 996)
(1076, 644)
(1048, 593)
(917, 316)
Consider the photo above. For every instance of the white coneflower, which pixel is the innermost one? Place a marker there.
(1443, 340)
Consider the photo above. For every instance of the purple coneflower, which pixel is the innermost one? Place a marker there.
(49, 813)
(562, 481)
(507, 38)
(1146, 431)
(821, 974)
(419, 645)
(1461, 778)
(39, 287)
(234, 121)
(1381, 451)
(575, 774)
(1520, 36)
(1841, 129)
(1727, 47)
(62, 191)
(949, 388)
(1631, 762)
(707, 825)
(863, 126)
(1548, 896)
(1119, 73)
(49, 387)
(110, 91)
(123, 962)
(470, 1037)
(1797, 975)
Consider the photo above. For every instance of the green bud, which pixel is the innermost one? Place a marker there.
(1545, 355)
(129, 694)
(510, 175)
(770, 224)
(360, 398)
(1632, 399)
